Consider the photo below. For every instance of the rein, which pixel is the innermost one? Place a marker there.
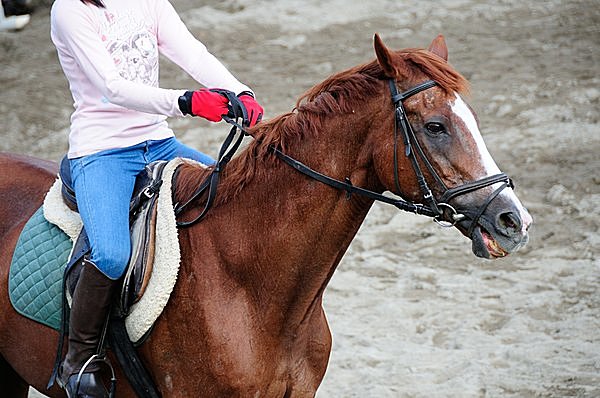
(233, 140)
(228, 149)
(432, 208)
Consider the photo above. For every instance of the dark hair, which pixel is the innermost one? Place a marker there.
(97, 3)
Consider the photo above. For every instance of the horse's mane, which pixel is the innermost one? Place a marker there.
(338, 94)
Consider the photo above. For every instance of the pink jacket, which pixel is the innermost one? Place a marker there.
(110, 57)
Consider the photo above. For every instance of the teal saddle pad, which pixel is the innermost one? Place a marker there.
(36, 271)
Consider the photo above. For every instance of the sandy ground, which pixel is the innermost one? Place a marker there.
(413, 313)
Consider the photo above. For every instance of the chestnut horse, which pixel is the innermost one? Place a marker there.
(245, 318)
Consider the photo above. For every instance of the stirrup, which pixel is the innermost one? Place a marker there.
(93, 359)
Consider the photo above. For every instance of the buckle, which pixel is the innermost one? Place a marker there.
(454, 215)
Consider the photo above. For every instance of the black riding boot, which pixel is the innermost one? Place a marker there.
(89, 309)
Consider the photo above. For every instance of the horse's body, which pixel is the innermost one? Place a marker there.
(245, 318)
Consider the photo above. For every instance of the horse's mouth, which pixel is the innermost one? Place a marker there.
(492, 245)
(485, 245)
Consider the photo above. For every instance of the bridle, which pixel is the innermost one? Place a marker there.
(440, 210)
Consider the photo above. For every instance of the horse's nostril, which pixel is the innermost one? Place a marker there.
(510, 222)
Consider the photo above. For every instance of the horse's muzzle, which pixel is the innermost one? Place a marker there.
(502, 230)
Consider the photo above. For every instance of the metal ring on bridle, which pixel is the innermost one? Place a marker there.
(454, 215)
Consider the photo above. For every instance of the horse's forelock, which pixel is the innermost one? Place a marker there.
(435, 68)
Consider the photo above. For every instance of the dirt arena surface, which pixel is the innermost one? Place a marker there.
(413, 313)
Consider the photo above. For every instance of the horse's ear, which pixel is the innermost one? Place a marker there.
(385, 58)
(439, 48)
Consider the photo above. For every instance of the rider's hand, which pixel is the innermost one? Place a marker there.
(204, 103)
(253, 109)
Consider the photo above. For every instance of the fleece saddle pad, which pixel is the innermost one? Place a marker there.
(35, 278)
(35, 281)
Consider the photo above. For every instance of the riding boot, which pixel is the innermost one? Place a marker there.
(89, 311)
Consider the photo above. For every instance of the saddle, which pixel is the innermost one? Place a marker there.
(142, 226)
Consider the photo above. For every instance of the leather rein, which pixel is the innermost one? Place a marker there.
(441, 211)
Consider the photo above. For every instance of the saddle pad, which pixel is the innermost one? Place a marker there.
(36, 271)
(35, 280)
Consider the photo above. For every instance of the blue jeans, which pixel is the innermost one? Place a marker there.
(104, 184)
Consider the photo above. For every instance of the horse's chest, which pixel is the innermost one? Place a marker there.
(265, 368)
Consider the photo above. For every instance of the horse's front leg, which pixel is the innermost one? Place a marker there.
(310, 355)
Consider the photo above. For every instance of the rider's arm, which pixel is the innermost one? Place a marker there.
(177, 43)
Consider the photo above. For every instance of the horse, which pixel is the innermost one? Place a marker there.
(245, 318)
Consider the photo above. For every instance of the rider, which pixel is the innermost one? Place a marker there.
(109, 52)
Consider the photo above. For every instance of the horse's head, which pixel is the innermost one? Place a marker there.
(436, 137)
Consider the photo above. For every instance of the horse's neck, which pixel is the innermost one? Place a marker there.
(286, 233)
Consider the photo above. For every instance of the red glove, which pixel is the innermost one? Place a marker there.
(204, 103)
(253, 109)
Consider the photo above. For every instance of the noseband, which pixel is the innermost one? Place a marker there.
(441, 211)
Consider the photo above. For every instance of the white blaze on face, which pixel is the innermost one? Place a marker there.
(464, 113)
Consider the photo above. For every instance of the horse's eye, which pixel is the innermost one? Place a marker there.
(435, 128)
